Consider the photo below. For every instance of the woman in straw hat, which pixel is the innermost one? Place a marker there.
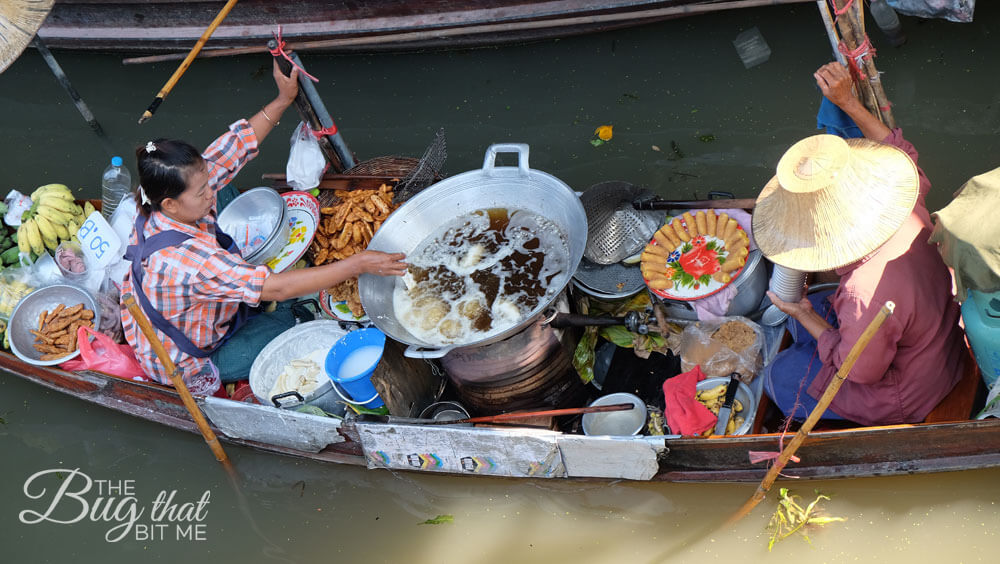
(856, 207)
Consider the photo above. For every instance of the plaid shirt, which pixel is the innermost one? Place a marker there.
(197, 285)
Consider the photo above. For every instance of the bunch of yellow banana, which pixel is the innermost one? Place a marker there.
(713, 400)
(54, 217)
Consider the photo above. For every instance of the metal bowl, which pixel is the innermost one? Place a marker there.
(616, 423)
(743, 394)
(259, 210)
(24, 319)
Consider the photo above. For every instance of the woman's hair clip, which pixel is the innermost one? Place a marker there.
(150, 147)
(142, 194)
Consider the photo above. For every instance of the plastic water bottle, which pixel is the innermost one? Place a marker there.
(887, 21)
(115, 184)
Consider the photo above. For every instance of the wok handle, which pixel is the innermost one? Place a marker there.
(490, 161)
(414, 351)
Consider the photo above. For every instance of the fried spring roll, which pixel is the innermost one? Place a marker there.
(731, 227)
(701, 222)
(692, 229)
(679, 230)
(710, 218)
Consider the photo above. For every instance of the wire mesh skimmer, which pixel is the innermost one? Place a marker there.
(615, 229)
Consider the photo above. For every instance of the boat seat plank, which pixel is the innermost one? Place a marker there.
(958, 404)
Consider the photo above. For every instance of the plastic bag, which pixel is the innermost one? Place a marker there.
(111, 320)
(104, 355)
(703, 344)
(306, 162)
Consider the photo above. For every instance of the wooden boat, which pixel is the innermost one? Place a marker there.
(945, 442)
(175, 25)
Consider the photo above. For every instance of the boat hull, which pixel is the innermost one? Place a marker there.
(527, 453)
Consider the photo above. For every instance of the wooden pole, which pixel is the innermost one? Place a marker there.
(852, 31)
(824, 401)
(313, 111)
(186, 62)
(63, 80)
(375, 40)
(175, 378)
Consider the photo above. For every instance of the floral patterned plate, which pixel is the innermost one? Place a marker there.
(691, 266)
(303, 216)
(338, 309)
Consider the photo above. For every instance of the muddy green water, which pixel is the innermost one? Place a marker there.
(667, 85)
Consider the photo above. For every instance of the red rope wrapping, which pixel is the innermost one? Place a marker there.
(856, 57)
(843, 10)
(280, 51)
(332, 130)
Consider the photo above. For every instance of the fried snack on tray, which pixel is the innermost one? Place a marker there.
(56, 334)
(675, 233)
(345, 228)
(348, 291)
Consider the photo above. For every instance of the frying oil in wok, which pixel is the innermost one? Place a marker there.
(480, 274)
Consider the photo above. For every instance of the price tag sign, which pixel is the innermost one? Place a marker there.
(99, 241)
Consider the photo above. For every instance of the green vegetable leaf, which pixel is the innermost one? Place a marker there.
(439, 520)
(360, 410)
(583, 356)
(311, 410)
(618, 335)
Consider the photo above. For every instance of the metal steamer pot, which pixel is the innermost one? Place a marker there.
(513, 188)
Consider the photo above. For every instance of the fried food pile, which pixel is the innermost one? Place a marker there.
(345, 229)
(56, 333)
(661, 270)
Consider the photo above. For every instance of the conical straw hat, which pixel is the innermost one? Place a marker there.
(833, 202)
(19, 20)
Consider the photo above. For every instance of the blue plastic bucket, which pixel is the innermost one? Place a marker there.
(350, 364)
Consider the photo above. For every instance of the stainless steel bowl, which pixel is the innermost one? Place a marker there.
(743, 394)
(24, 319)
(258, 210)
(616, 423)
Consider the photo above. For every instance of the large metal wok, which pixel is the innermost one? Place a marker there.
(492, 187)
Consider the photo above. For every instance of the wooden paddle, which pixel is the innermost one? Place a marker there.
(186, 62)
(175, 378)
(824, 401)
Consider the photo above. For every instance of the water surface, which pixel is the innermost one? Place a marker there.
(678, 86)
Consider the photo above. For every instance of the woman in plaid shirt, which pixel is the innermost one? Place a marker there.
(195, 287)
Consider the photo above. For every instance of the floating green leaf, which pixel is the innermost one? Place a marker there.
(790, 518)
(439, 520)
(707, 138)
(596, 142)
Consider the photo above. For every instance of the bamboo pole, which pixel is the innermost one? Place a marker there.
(186, 63)
(824, 401)
(507, 27)
(175, 379)
(852, 31)
(831, 33)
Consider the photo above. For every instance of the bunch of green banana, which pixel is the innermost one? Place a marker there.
(8, 248)
(54, 217)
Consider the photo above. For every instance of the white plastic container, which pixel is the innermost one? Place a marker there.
(115, 184)
(981, 313)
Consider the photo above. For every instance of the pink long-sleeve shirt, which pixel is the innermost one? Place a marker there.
(918, 355)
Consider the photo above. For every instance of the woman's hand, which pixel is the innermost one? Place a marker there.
(381, 264)
(798, 310)
(835, 81)
(288, 86)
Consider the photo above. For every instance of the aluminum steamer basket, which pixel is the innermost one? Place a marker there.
(515, 188)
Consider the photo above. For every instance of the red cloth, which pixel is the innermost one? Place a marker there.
(685, 414)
